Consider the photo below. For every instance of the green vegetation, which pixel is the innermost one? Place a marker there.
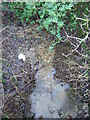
(6, 117)
(50, 15)
(3, 81)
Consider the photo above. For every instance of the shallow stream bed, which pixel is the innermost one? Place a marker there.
(51, 98)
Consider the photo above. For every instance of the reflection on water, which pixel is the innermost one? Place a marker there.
(50, 98)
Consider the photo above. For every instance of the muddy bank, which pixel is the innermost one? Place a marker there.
(62, 69)
(68, 69)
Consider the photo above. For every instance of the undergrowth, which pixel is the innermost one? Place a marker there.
(50, 15)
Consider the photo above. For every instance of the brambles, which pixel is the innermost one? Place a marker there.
(81, 51)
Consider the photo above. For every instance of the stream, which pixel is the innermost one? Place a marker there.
(51, 98)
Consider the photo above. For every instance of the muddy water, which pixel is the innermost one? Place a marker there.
(51, 98)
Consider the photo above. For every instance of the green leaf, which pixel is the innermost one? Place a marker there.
(9, 65)
(86, 73)
(6, 117)
(3, 81)
(51, 48)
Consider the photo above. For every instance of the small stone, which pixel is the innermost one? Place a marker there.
(21, 57)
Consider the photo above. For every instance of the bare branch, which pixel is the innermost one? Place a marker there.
(87, 9)
(71, 36)
(4, 28)
(82, 28)
(86, 15)
(65, 32)
(7, 37)
(80, 19)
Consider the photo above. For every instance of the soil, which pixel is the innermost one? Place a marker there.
(19, 76)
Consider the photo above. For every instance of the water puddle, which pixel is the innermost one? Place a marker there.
(51, 98)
